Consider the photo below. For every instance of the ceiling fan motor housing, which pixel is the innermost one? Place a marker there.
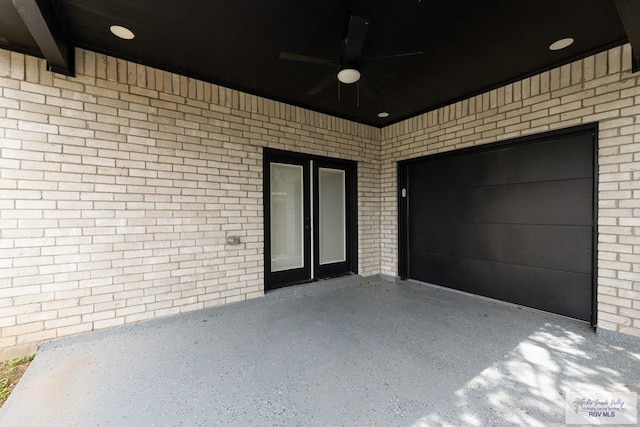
(349, 69)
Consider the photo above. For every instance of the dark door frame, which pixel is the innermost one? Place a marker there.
(403, 191)
(351, 199)
(297, 275)
(323, 271)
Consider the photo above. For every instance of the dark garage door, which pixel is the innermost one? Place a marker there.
(511, 221)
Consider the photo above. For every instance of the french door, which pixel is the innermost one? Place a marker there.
(309, 218)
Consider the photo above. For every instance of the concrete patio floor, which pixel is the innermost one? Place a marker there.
(332, 353)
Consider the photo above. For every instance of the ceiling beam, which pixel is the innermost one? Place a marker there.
(629, 11)
(40, 18)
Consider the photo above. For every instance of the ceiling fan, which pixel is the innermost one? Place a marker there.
(350, 64)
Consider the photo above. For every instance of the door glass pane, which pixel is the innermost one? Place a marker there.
(332, 219)
(286, 217)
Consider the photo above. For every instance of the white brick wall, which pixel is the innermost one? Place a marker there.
(118, 188)
(598, 89)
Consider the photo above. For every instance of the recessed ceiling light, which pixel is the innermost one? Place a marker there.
(383, 114)
(561, 44)
(122, 32)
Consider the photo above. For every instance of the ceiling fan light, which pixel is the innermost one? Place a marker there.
(348, 75)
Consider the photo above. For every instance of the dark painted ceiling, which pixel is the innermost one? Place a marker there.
(469, 45)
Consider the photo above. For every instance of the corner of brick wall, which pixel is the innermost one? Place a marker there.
(597, 89)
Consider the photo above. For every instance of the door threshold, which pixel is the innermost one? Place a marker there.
(316, 286)
(310, 281)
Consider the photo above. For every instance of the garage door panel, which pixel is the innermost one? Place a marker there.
(510, 243)
(512, 222)
(552, 160)
(545, 161)
(557, 292)
(566, 202)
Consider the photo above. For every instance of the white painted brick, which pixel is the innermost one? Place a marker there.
(99, 315)
(40, 336)
(108, 323)
(74, 329)
(23, 96)
(614, 319)
(22, 329)
(62, 322)
(633, 331)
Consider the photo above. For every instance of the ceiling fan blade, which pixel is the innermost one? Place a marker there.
(307, 59)
(384, 58)
(356, 36)
(324, 83)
